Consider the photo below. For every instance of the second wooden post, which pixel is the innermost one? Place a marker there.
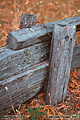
(60, 62)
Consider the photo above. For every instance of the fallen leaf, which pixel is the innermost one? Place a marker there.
(60, 113)
(40, 95)
(42, 101)
(78, 106)
(76, 75)
(37, 105)
(77, 95)
(75, 90)
(48, 113)
(63, 106)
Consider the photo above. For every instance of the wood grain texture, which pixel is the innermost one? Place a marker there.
(60, 63)
(27, 21)
(22, 76)
(25, 37)
(76, 57)
(22, 87)
(12, 62)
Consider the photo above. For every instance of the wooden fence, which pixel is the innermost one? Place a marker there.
(24, 63)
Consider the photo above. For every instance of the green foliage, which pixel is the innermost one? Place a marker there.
(77, 70)
(35, 112)
(30, 110)
(38, 109)
(33, 117)
(70, 79)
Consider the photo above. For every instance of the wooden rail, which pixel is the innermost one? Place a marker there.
(25, 37)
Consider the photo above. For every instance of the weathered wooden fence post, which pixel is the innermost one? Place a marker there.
(27, 20)
(60, 62)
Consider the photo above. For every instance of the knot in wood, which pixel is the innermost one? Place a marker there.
(66, 37)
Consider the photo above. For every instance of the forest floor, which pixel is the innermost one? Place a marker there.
(45, 11)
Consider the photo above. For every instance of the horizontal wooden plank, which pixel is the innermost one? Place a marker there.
(22, 87)
(25, 37)
(76, 57)
(13, 62)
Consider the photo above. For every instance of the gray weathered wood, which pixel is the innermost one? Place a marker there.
(12, 62)
(76, 57)
(22, 87)
(17, 69)
(27, 21)
(60, 63)
(25, 37)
